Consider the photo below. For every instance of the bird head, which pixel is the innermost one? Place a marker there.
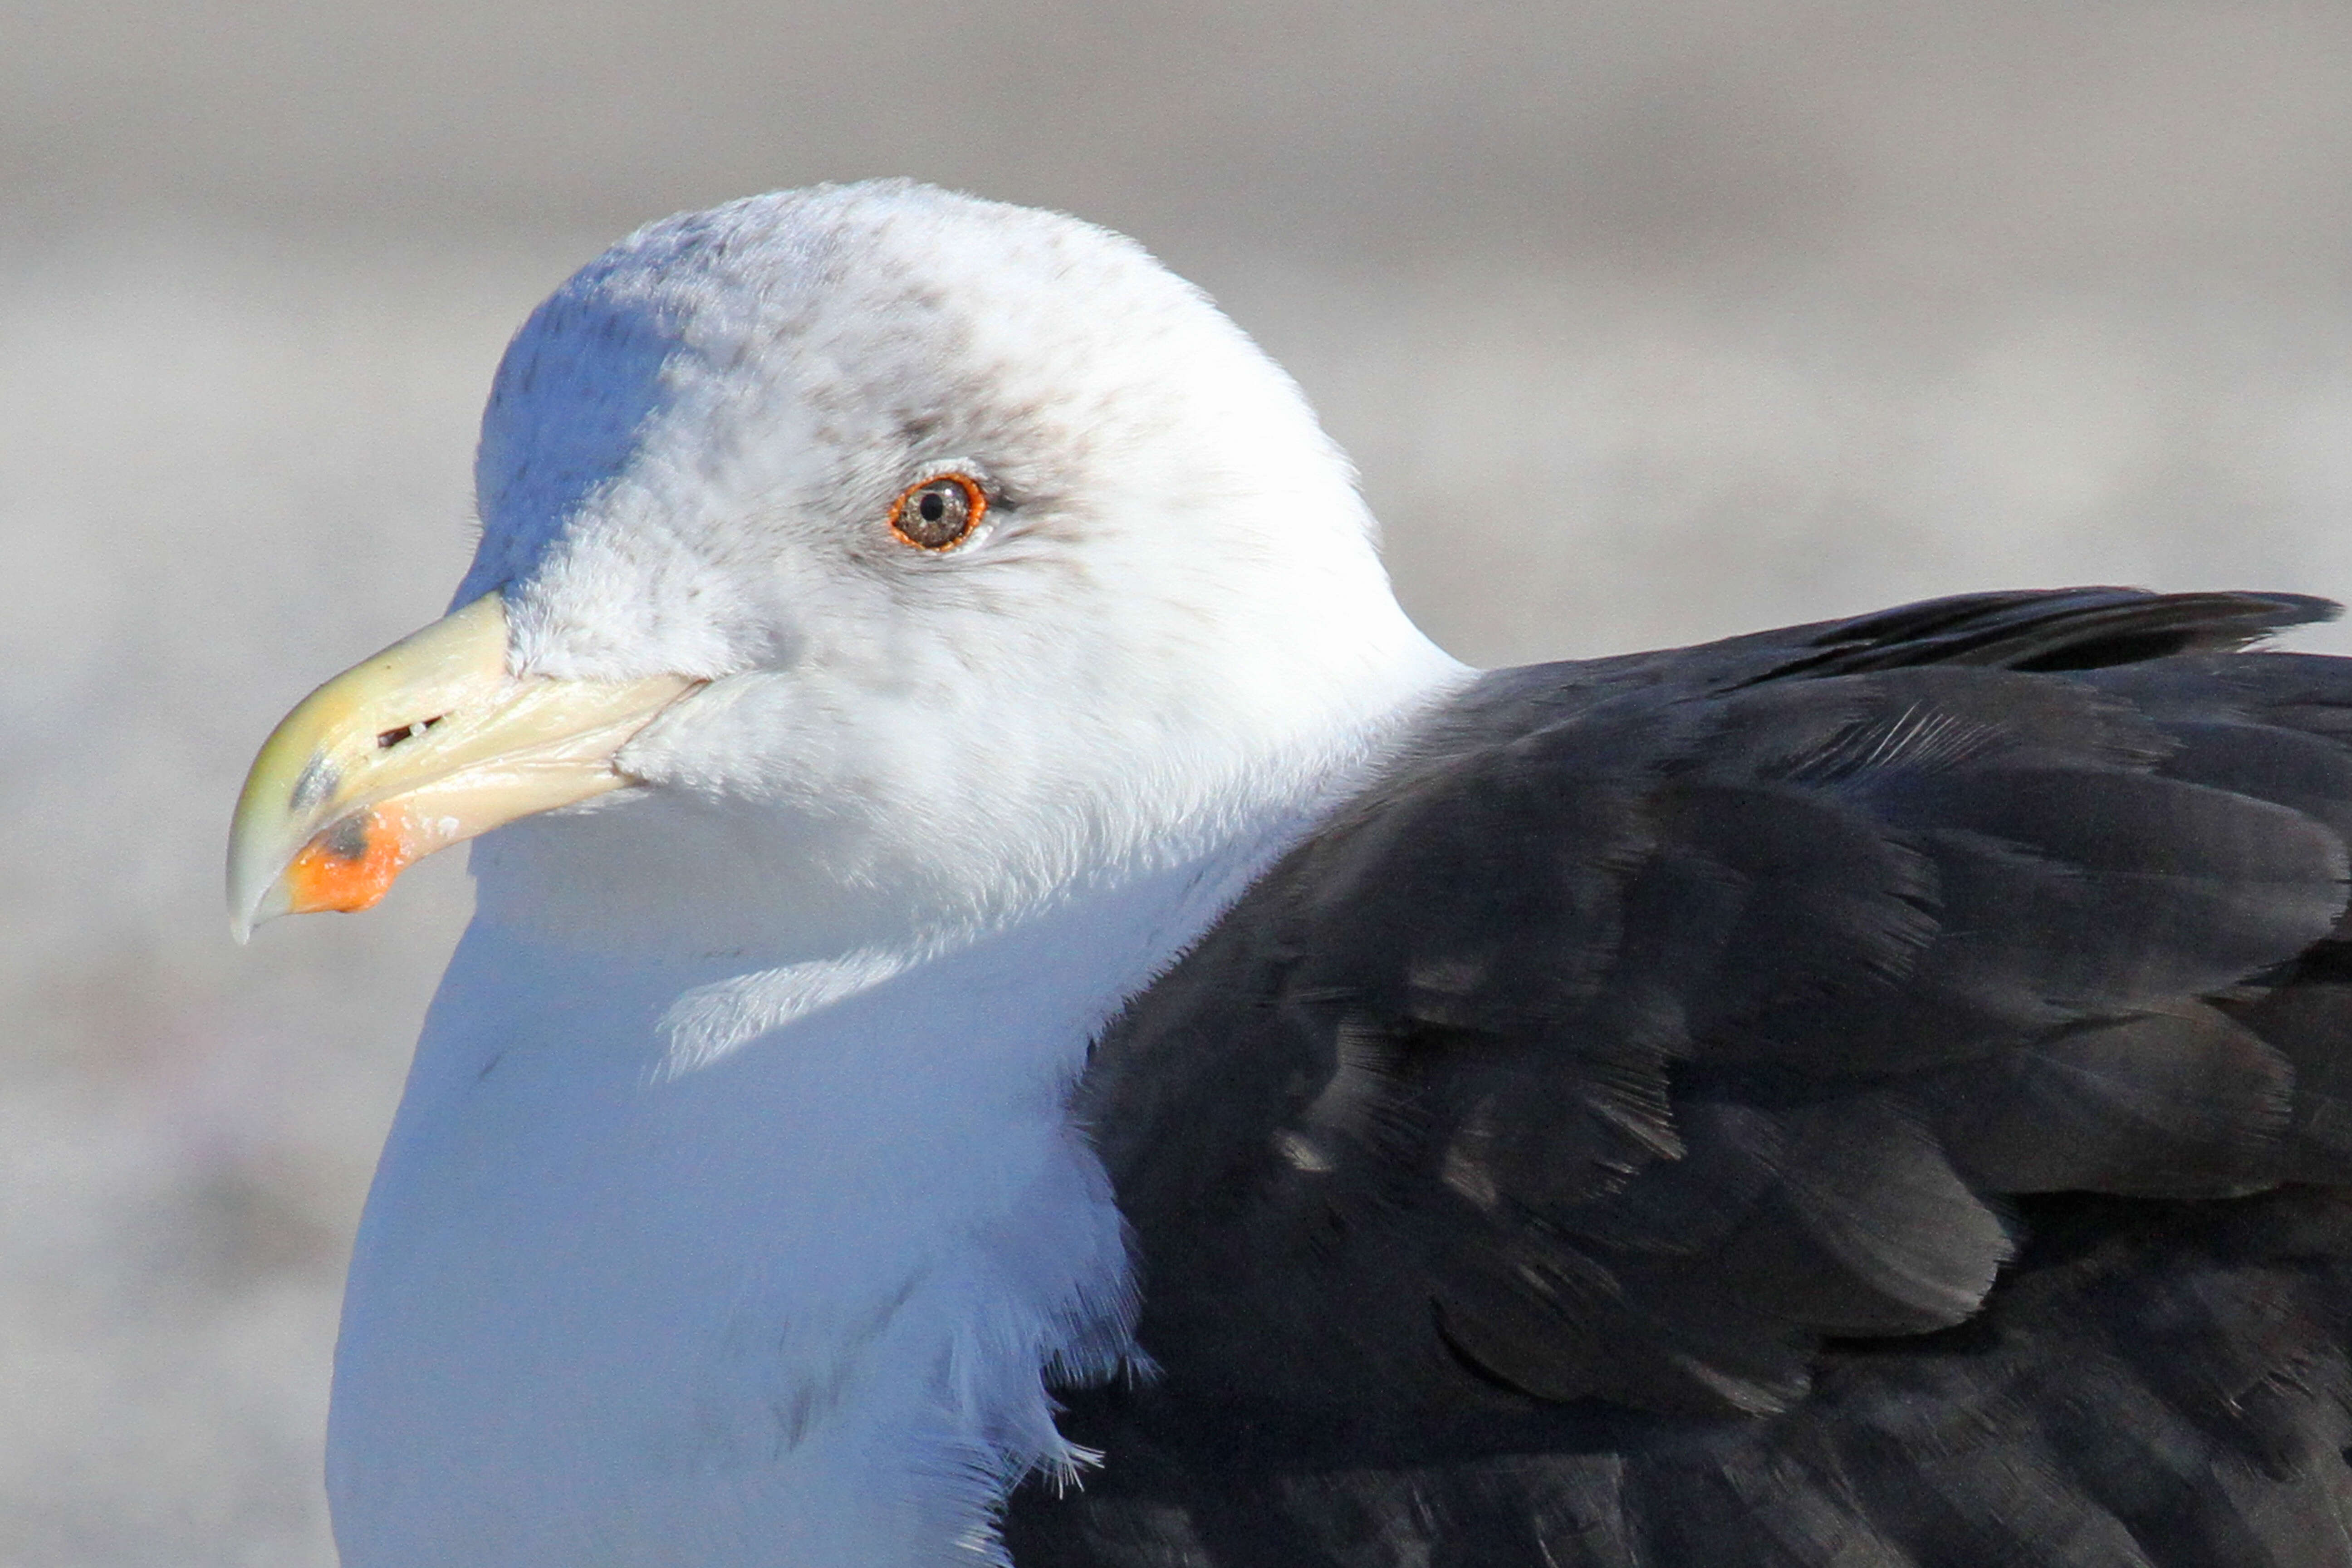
(853, 557)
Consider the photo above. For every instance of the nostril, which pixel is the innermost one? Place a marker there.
(388, 739)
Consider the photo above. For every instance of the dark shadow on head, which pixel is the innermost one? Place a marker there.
(574, 396)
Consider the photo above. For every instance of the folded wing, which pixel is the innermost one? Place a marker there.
(1702, 1089)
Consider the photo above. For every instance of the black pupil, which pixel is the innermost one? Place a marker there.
(940, 514)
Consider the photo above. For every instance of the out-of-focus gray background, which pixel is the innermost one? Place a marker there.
(1645, 321)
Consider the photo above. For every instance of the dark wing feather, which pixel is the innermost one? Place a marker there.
(1739, 1105)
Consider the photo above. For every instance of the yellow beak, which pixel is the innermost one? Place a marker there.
(426, 745)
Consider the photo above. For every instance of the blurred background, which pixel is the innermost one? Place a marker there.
(1645, 322)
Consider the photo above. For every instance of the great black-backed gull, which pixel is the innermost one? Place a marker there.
(1019, 1008)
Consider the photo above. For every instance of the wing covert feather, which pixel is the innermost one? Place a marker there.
(1657, 1038)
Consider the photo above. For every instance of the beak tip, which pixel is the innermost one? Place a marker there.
(242, 918)
(248, 909)
(240, 913)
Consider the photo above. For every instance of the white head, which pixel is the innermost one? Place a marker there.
(1169, 615)
(782, 1033)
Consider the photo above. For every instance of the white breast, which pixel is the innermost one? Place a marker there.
(644, 1279)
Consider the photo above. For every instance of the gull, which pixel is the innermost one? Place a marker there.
(1019, 1011)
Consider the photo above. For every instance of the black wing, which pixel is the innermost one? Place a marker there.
(1866, 1094)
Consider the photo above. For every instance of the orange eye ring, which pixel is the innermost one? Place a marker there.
(938, 514)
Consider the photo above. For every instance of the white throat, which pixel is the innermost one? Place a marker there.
(718, 1260)
(732, 1214)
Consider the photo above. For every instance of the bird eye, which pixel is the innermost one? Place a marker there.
(941, 512)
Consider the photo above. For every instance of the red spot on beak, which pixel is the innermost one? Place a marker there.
(352, 865)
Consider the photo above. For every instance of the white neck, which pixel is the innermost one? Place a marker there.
(719, 1261)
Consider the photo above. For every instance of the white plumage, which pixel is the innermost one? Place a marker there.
(732, 1214)
(1539, 1163)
